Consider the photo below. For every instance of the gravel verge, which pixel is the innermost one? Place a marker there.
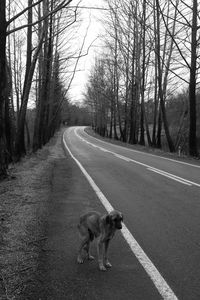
(24, 198)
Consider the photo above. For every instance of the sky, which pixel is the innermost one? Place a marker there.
(88, 16)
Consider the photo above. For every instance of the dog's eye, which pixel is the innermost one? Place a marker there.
(119, 219)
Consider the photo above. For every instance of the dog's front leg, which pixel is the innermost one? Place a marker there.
(107, 263)
(100, 255)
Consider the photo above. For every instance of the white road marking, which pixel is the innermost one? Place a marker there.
(168, 175)
(150, 168)
(157, 279)
(141, 152)
(122, 157)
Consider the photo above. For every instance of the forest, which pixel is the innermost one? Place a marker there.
(35, 52)
(143, 87)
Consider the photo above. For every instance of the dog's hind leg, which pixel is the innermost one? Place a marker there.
(85, 239)
(107, 263)
(87, 249)
(82, 246)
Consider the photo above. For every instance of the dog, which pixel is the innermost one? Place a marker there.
(102, 227)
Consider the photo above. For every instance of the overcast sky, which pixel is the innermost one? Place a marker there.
(88, 16)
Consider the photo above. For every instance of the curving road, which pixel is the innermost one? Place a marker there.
(160, 199)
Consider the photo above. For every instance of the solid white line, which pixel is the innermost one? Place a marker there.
(142, 152)
(166, 174)
(122, 157)
(105, 150)
(175, 177)
(89, 178)
(159, 282)
(169, 176)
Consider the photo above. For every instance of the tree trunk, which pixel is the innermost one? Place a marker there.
(3, 91)
(134, 91)
(133, 135)
(147, 129)
(192, 86)
(48, 83)
(45, 78)
(20, 134)
(159, 129)
(115, 122)
(36, 141)
(161, 95)
(20, 142)
(142, 116)
(111, 119)
(154, 143)
(142, 141)
(28, 138)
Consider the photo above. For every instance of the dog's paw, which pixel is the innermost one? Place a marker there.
(108, 264)
(90, 257)
(102, 268)
(80, 260)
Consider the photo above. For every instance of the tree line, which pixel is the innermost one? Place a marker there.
(31, 66)
(149, 64)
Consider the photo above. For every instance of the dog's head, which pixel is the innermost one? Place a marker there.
(115, 219)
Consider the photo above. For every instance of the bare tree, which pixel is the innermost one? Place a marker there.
(22, 95)
(192, 85)
(4, 155)
(190, 28)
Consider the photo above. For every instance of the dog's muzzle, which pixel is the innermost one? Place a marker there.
(119, 226)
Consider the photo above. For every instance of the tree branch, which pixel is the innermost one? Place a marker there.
(60, 6)
(22, 12)
(70, 82)
(179, 50)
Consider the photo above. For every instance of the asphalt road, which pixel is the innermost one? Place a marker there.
(160, 201)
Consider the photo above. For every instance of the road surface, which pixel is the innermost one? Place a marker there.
(160, 201)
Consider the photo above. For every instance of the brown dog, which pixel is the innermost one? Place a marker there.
(94, 225)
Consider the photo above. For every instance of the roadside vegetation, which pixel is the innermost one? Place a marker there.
(25, 205)
(144, 86)
(37, 67)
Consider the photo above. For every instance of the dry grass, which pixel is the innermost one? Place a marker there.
(23, 203)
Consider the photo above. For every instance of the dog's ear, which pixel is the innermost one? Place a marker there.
(108, 219)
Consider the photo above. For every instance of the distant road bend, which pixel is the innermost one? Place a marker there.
(160, 199)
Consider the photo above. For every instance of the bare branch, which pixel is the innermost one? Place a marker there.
(72, 77)
(173, 38)
(22, 12)
(91, 7)
(60, 6)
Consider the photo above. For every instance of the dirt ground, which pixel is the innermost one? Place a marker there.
(23, 207)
